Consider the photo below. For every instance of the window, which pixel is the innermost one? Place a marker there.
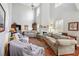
(59, 25)
(38, 11)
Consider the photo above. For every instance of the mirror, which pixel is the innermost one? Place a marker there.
(2, 18)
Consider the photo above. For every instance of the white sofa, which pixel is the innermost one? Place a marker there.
(61, 46)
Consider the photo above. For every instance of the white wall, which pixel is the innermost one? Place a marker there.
(4, 35)
(52, 13)
(44, 17)
(64, 12)
(45, 14)
(23, 15)
(69, 13)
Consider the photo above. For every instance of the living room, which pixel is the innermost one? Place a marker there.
(45, 22)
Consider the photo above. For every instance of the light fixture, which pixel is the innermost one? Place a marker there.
(32, 6)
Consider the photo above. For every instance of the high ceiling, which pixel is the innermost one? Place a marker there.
(30, 4)
(56, 5)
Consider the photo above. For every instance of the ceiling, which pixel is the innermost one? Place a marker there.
(30, 4)
(56, 5)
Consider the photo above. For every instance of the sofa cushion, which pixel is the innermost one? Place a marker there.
(65, 42)
(59, 36)
(53, 40)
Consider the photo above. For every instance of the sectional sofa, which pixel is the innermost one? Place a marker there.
(60, 44)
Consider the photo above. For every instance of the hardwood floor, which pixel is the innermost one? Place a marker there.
(42, 43)
(48, 50)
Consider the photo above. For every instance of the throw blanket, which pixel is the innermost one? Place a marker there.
(18, 48)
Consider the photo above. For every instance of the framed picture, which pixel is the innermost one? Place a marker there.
(2, 18)
(26, 27)
(73, 26)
